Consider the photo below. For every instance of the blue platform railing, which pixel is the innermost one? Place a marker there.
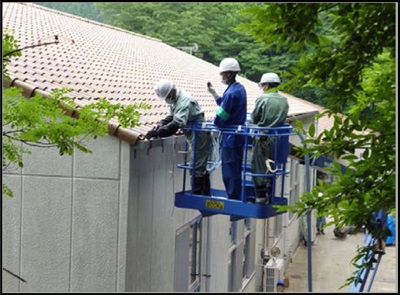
(218, 202)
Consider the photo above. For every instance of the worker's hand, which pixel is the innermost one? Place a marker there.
(211, 89)
(151, 133)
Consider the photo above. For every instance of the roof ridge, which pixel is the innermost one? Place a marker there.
(88, 20)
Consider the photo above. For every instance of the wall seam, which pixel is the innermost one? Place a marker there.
(20, 232)
(72, 220)
(118, 217)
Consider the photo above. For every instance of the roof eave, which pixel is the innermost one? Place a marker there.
(114, 129)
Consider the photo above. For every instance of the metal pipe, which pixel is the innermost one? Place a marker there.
(208, 256)
(243, 195)
(309, 254)
(285, 226)
(374, 273)
(264, 248)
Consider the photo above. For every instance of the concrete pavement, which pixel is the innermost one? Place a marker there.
(331, 266)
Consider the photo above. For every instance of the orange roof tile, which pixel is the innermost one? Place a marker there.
(100, 61)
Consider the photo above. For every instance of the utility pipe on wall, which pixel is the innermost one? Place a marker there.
(208, 255)
(308, 188)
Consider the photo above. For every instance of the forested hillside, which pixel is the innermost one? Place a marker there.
(83, 9)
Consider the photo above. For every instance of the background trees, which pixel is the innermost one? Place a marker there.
(357, 71)
(83, 9)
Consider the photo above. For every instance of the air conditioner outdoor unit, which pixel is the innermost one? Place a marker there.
(273, 271)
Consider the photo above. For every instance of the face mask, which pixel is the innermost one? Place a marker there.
(169, 100)
(226, 80)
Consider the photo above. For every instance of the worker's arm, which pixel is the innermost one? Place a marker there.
(255, 115)
(211, 89)
(164, 131)
(165, 121)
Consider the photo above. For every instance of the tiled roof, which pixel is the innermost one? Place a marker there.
(100, 61)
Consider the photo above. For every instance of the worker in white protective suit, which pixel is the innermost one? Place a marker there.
(270, 110)
(185, 110)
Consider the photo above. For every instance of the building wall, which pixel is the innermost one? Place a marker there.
(153, 219)
(106, 222)
(65, 228)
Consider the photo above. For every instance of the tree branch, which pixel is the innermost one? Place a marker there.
(31, 46)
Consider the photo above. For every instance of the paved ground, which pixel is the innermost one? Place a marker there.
(331, 266)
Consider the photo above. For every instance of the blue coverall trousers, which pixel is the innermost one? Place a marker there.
(231, 165)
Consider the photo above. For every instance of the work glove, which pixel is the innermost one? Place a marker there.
(158, 126)
(164, 121)
(151, 133)
(211, 89)
(169, 129)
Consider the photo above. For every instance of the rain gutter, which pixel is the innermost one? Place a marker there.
(114, 129)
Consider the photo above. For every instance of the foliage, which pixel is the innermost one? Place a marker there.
(9, 47)
(356, 70)
(43, 122)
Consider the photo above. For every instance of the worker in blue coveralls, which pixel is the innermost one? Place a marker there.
(232, 111)
(270, 110)
(184, 110)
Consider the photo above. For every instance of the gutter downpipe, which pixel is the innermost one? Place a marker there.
(265, 247)
(208, 255)
(308, 188)
(285, 226)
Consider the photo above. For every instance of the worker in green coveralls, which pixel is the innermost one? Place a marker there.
(271, 110)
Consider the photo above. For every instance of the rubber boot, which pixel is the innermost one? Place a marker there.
(198, 184)
(261, 195)
(207, 184)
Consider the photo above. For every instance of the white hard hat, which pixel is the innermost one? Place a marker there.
(229, 65)
(270, 78)
(163, 88)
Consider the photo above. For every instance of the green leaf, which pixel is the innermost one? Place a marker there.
(311, 130)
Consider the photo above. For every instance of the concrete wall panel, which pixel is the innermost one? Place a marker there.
(11, 167)
(132, 221)
(46, 234)
(220, 241)
(95, 235)
(163, 208)
(153, 219)
(145, 219)
(46, 161)
(11, 235)
(103, 162)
